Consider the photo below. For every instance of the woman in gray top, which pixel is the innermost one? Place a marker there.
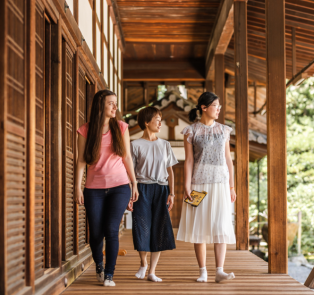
(153, 159)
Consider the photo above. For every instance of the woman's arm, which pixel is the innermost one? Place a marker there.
(80, 166)
(128, 163)
(170, 200)
(230, 168)
(188, 167)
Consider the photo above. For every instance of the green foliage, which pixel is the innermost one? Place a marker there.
(256, 206)
(300, 159)
(300, 165)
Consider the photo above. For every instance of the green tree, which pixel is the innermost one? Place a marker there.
(300, 166)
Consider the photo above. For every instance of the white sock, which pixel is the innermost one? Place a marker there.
(222, 276)
(141, 272)
(203, 275)
(152, 277)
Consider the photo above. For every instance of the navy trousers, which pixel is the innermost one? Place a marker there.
(104, 209)
(152, 228)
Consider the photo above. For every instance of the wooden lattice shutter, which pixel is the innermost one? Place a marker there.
(81, 120)
(40, 145)
(15, 145)
(67, 157)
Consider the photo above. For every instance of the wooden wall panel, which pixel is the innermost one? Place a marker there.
(40, 146)
(82, 120)
(67, 156)
(15, 145)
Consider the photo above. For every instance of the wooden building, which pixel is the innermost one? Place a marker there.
(56, 54)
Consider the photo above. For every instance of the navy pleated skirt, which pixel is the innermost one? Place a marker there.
(152, 228)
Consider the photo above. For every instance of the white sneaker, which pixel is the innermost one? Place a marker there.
(109, 282)
(100, 277)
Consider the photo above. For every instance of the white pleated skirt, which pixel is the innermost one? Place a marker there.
(211, 221)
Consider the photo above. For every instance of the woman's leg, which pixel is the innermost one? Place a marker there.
(154, 257)
(200, 252)
(141, 229)
(142, 270)
(116, 201)
(94, 204)
(220, 254)
(143, 256)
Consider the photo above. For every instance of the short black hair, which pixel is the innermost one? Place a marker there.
(146, 115)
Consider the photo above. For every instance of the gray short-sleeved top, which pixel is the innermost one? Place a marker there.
(151, 160)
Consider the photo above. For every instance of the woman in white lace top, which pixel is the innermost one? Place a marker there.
(208, 167)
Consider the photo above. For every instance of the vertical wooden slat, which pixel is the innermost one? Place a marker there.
(242, 132)
(276, 137)
(56, 147)
(47, 144)
(75, 127)
(67, 152)
(220, 85)
(3, 156)
(39, 118)
(30, 175)
(81, 118)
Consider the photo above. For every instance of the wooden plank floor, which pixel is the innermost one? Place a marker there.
(179, 271)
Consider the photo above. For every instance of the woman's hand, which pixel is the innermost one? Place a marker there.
(187, 194)
(79, 197)
(170, 202)
(134, 192)
(130, 206)
(233, 195)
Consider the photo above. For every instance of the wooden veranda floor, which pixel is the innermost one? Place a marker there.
(179, 270)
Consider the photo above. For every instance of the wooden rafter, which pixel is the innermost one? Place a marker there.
(221, 34)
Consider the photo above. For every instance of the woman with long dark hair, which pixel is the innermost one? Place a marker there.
(104, 145)
(208, 167)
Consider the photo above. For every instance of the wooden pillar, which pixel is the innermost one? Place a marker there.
(30, 158)
(209, 86)
(145, 93)
(241, 115)
(3, 135)
(276, 137)
(125, 97)
(56, 148)
(220, 85)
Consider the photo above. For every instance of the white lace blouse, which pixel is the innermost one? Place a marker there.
(209, 152)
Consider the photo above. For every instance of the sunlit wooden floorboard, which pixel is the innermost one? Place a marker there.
(179, 271)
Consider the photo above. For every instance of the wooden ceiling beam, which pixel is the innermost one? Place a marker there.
(163, 70)
(221, 33)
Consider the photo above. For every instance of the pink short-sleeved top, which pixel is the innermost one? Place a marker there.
(109, 171)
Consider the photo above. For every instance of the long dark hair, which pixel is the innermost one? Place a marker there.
(95, 129)
(206, 99)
